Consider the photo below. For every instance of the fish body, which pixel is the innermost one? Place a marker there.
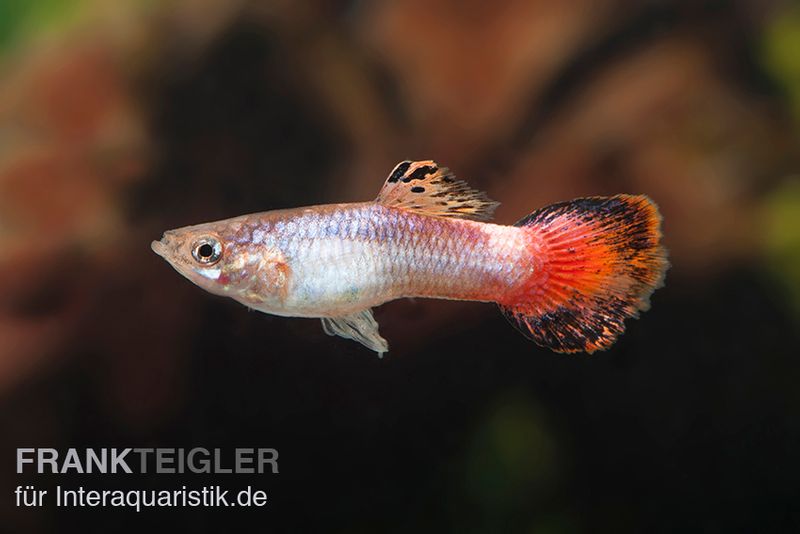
(345, 257)
(425, 236)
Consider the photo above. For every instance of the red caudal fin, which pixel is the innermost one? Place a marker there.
(600, 259)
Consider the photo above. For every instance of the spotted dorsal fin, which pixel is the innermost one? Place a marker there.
(426, 188)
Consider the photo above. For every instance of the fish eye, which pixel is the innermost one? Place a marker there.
(207, 250)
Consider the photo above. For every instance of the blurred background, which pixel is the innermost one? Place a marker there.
(119, 120)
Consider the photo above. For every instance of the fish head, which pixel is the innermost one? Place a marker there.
(214, 257)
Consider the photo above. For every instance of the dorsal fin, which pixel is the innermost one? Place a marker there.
(426, 188)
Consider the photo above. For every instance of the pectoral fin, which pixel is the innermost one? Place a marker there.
(360, 326)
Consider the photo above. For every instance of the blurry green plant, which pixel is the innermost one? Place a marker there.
(511, 471)
(511, 449)
(781, 52)
(22, 18)
(781, 208)
(781, 221)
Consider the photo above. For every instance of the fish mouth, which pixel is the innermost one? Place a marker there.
(160, 248)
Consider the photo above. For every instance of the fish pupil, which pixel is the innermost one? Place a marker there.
(205, 250)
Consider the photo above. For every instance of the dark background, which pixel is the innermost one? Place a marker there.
(121, 120)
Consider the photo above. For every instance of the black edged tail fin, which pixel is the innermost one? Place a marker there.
(601, 258)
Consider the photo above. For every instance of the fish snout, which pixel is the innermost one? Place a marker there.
(162, 246)
(159, 248)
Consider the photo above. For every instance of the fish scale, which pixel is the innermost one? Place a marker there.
(423, 257)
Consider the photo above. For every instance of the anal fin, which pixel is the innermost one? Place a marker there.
(360, 326)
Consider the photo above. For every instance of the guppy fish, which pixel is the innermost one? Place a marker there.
(567, 275)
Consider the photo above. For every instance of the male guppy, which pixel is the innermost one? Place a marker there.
(567, 275)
